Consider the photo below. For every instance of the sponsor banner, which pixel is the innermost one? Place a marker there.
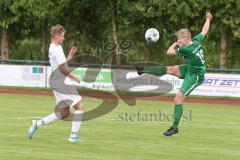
(118, 79)
(22, 75)
(219, 85)
(93, 79)
(214, 85)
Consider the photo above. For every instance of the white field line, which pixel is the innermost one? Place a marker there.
(19, 118)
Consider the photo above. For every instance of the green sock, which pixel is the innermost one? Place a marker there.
(155, 70)
(178, 111)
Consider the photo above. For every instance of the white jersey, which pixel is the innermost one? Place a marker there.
(56, 56)
(66, 96)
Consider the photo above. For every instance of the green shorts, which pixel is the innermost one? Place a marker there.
(191, 79)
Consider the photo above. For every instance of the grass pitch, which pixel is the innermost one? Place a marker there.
(206, 132)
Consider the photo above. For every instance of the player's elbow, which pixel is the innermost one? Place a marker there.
(63, 70)
(64, 114)
(171, 53)
(204, 32)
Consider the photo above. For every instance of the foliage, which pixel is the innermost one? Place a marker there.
(88, 25)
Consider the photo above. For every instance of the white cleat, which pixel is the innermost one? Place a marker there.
(74, 139)
(32, 129)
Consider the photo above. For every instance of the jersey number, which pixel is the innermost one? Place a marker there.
(200, 55)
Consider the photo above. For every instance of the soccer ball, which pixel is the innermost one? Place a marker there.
(152, 35)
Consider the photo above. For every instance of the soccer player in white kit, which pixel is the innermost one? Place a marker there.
(66, 96)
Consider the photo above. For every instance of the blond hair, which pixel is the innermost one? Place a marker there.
(184, 33)
(57, 29)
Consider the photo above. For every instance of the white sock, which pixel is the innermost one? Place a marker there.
(76, 122)
(39, 122)
(48, 119)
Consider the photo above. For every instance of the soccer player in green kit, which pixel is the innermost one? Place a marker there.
(192, 72)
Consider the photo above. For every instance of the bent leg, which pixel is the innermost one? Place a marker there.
(179, 71)
(155, 70)
(173, 70)
(60, 113)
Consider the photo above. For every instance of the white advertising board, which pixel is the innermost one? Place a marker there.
(37, 76)
(22, 75)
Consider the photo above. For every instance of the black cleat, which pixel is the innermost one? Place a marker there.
(139, 68)
(171, 131)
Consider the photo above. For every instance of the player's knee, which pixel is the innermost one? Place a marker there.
(171, 70)
(179, 99)
(65, 114)
(78, 106)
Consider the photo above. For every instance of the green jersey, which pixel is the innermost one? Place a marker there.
(193, 55)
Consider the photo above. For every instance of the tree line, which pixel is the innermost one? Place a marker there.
(95, 25)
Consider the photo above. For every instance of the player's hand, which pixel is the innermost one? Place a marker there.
(208, 15)
(177, 44)
(73, 50)
(77, 79)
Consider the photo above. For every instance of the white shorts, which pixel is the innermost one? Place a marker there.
(66, 100)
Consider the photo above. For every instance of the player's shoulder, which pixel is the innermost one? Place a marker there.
(199, 37)
(53, 47)
(53, 50)
(183, 48)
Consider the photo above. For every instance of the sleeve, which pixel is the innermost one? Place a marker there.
(198, 37)
(181, 51)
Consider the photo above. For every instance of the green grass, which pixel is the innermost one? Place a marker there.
(212, 133)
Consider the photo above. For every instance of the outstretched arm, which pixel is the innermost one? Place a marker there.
(207, 23)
